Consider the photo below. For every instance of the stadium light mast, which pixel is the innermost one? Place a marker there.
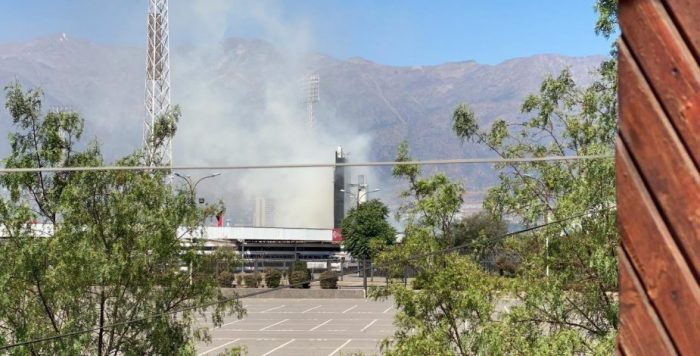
(157, 80)
(312, 98)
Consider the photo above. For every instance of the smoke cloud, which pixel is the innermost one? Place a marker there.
(237, 111)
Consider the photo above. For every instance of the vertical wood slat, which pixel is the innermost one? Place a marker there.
(669, 284)
(640, 327)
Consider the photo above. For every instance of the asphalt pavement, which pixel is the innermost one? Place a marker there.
(305, 327)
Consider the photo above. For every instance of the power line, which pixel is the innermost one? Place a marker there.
(364, 269)
(307, 165)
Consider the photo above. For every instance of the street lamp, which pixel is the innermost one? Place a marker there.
(193, 186)
(193, 195)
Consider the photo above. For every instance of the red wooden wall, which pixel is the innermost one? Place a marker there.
(658, 184)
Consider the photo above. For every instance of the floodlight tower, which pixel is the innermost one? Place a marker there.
(312, 97)
(157, 80)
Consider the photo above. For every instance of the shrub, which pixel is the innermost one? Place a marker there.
(300, 279)
(225, 279)
(239, 280)
(303, 275)
(251, 280)
(272, 278)
(329, 280)
(417, 283)
(507, 264)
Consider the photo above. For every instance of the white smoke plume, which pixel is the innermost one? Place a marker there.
(234, 116)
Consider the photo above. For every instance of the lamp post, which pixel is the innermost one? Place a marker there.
(193, 185)
(193, 195)
(546, 222)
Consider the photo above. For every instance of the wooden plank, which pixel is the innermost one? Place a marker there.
(641, 331)
(666, 62)
(667, 168)
(670, 285)
(686, 14)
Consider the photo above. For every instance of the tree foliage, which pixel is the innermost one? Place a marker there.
(482, 234)
(109, 251)
(563, 299)
(366, 231)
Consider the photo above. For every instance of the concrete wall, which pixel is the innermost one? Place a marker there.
(296, 293)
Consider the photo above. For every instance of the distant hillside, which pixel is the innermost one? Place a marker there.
(242, 99)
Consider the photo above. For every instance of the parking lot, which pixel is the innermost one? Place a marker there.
(305, 327)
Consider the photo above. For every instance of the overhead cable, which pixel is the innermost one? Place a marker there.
(226, 167)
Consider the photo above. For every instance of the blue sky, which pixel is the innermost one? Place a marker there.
(408, 32)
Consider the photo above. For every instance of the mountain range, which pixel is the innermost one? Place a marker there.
(238, 84)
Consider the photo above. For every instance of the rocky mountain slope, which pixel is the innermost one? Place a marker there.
(243, 102)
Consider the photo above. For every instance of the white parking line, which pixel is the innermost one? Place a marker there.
(387, 309)
(218, 347)
(320, 325)
(310, 309)
(339, 347)
(273, 308)
(279, 347)
(277, 323)
(349, 309)
(368, 325)
(233, 322)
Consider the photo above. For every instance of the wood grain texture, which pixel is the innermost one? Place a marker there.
(686, 15)
(666, 62)
(640, 328)
(669, 283)
(665, 164)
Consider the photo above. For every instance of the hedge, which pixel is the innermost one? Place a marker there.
(329, 280)
(272, 278)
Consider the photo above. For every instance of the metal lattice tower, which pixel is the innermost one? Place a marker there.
(157, 79)
(312, 97)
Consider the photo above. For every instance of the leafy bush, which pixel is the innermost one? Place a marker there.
(225, 279)
(252, 280)
(417, 283)
(303, 275)
(272, 278)
(239, 280)
(329, 280)
(300, 279)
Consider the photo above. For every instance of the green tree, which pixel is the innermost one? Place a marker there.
(430, 204)
(110, 252)
(480, 233)
(366, 230)
(572, 309)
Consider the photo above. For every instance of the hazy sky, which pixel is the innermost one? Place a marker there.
(394, 32)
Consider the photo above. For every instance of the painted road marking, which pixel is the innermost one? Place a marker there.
(320, 325)
(233, 322)
(277, 323)
(278, 330)
(310, 309)
(349, 309)
(368, 325)
(273, 308)
(218, 347)
(387, 309)
(339, 347)
(279, 347)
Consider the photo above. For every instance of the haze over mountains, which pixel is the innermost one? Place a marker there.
(242, 100)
